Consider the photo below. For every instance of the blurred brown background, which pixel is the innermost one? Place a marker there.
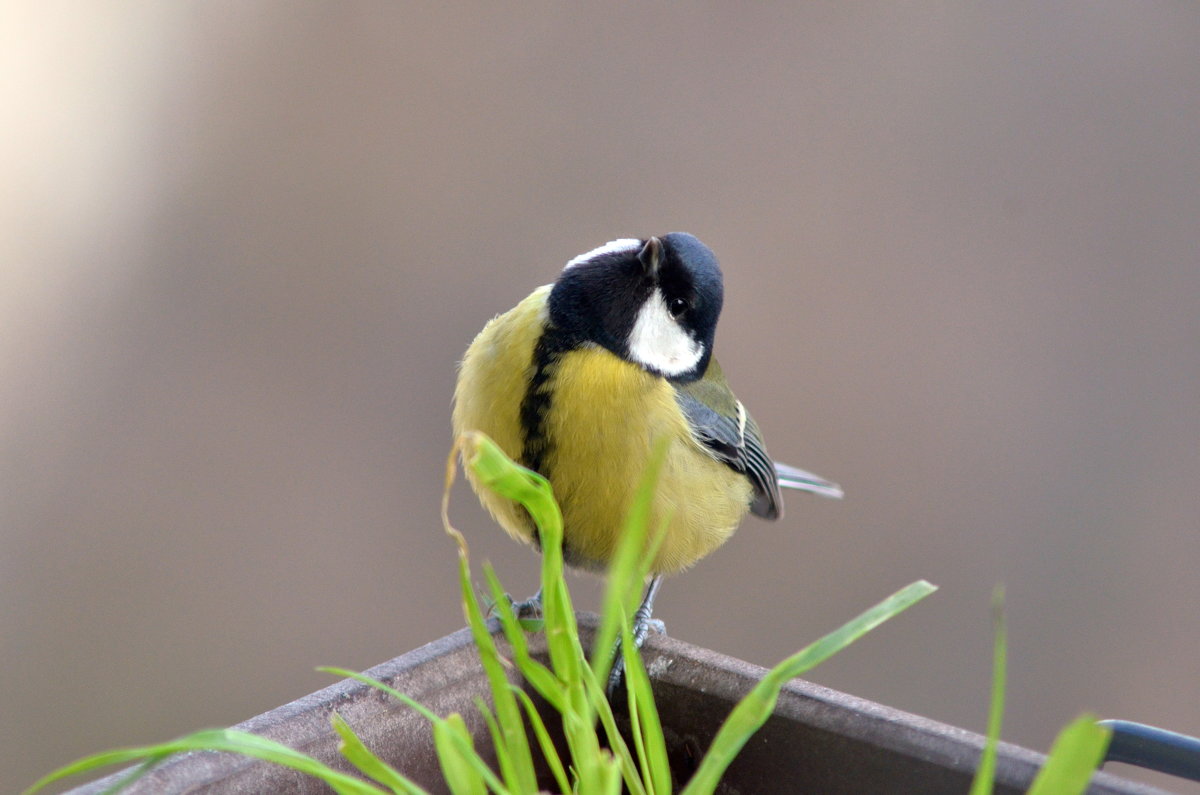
(244, 246)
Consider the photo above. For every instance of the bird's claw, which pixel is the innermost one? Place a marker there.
(528, 610)
(641, 628)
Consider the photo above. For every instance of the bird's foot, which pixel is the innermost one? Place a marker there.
(528, 612)
(642, 626)
(640, 631)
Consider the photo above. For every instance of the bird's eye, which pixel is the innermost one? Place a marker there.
(677, 307)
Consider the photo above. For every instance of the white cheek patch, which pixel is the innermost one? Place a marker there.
(658, 342)
(625, 244)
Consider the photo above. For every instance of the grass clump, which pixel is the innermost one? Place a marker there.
(599, 758)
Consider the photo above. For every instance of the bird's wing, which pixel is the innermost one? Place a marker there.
(734, 440)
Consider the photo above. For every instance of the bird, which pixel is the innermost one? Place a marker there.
(579, 380)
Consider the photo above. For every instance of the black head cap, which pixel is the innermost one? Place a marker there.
(653, 302)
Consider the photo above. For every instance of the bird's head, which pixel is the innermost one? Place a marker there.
(653, 302)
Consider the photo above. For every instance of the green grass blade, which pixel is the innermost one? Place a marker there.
(516, 762)
(549, 751)
(607, 780)
(562, 631)
(816, 653)
(502, 475)
(502, 755)
(579, 730)
(626, 577)
(367, 763)
(539, 676)
(96, 761)
(627, 573)
(616, 741)
(461, 775)
(496, 471)
(404, 698)
(128, 781)
(93, 762)
(646, 727)
(756, 707)
(1077, 752)
(465, 748)
(985, 776)
(513, 754)
(230, 740)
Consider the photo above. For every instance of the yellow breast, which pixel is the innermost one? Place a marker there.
(603, 418)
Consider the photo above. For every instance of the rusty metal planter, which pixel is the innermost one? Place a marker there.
(818, 740)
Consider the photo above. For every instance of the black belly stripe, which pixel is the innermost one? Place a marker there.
(537, 447)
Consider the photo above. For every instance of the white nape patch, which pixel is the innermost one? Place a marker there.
(658, 342)
(611, 247)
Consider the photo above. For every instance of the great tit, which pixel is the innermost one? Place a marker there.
(579, 380)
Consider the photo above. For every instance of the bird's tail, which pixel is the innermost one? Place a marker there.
(792, 478)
